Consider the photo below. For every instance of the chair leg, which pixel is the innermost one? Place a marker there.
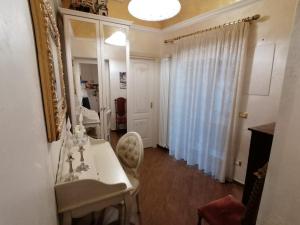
(128, 209)
(95, 217)
(137, 198)
(67, 218)
(121, 209)
(199, 220)
(101, 216)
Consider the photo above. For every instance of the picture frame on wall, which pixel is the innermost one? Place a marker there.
(123, 80)
(49, 55)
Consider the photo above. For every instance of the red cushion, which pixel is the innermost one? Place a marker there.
(224, 211)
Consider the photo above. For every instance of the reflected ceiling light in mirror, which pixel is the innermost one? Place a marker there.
(118, 38)
(154, 10)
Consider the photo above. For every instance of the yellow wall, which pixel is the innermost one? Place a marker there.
(120, 10)
(190, 8)
(83, 29)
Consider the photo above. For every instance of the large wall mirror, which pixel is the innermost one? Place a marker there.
(114, 60)
(97, 58)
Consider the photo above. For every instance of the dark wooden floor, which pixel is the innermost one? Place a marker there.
(114, 138)
(171, 191)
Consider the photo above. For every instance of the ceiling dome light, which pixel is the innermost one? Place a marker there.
(118, 38)
(154, 10)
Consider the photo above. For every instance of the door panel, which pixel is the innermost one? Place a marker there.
(143, 127)
(141, 88)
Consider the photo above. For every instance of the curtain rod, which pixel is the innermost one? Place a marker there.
(247, 19)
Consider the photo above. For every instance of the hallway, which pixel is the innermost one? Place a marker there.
(171, 191)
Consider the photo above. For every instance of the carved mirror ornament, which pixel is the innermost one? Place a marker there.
(48, 47)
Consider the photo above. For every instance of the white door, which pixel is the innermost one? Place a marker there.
(140, 99)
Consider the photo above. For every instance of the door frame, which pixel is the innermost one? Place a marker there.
(79, 60)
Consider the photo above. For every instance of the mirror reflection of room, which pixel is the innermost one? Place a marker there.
(86, 75)
(115, 63)
(100, 92)
(89, 86)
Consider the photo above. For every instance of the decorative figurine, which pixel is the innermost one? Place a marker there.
(69, 137)
(102, 7)
(71, 176)
(84, 5)
(69, 145)
(80, 129)
(82, 166)
(90, 6)
(81, 139)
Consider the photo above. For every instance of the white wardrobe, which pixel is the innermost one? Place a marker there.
(92, 43)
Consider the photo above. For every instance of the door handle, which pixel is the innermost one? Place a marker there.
(243, 115)
(151, 105)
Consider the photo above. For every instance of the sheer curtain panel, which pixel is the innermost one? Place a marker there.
(164, 101)
(206, 72)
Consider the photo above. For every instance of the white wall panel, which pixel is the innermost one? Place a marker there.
(262, 67)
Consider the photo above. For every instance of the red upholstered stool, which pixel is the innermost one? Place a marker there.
(224, 211)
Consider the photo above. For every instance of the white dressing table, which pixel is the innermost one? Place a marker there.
(103, 185)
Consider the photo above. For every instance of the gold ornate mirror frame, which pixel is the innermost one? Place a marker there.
(48, 47)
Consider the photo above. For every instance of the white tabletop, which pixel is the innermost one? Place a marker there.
(108, 166)
(104, 164)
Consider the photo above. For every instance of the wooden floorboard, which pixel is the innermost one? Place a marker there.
(171, 191)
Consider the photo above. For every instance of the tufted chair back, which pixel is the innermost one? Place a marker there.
(130, 151)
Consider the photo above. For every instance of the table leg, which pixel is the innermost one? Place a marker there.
(128, 209)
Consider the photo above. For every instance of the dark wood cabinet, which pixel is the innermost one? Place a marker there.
(259, 154)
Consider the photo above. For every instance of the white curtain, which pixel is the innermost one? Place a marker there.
(206, 71)
(164, 101)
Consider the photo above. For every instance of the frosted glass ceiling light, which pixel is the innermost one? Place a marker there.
(154, 10)
(117, 38)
